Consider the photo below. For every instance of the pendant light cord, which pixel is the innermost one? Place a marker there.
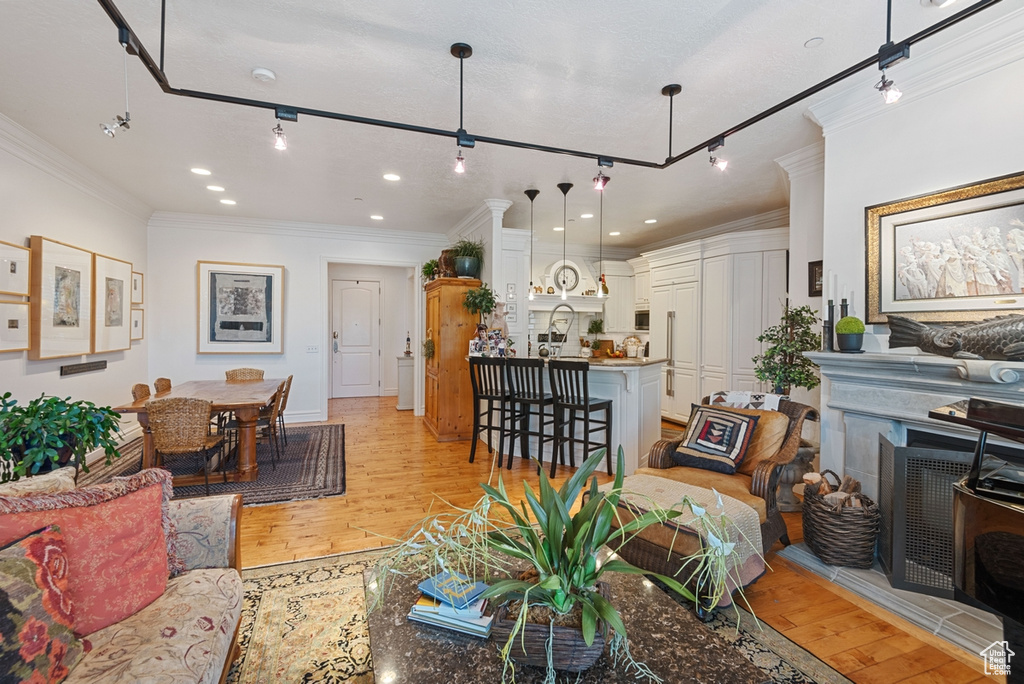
(600, 237)
(565, 199)
(888, 22)
(461, 61)
(127, 116)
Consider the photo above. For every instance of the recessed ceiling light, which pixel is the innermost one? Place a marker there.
(227, 201)
(201, 172)
(558, 228)
(586, 216)
(814, 42)
(263, 74)
(357, 199)
(215, 188)
(377, 217)
(392, 177)
(615, 233)
(651, 221)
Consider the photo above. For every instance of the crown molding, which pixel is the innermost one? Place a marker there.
(323, 231)
(938, 67)
(22, 144)
(479, 216)
(589, 251)
(805, 161)
(777, 218)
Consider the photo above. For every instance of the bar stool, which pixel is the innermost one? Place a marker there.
(526, 387)
(572, 396)
(487, 375)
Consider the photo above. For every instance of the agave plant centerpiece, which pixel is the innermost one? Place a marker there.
(562, 555)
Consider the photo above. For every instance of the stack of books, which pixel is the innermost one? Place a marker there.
(452, 601)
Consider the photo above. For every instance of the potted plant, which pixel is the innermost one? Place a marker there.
(430, 270)
(480, 300)
(595, 328)
(542, 561)
(850, 334)
(48, 432)
(469, 256)
(783, 364)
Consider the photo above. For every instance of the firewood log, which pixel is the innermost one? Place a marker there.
(836, 499)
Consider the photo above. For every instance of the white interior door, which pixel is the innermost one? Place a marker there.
(355, 338)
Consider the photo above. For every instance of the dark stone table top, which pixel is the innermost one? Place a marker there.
(669, 638)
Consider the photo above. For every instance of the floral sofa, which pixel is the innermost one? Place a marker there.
(173, 599)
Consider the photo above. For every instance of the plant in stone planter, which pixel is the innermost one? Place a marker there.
(430, 270)
(849, 333)
(480, 300)
(783, 364)
(469, 256)
(544, 564)
(49, 432)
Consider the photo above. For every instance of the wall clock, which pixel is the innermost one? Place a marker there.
(571, 276)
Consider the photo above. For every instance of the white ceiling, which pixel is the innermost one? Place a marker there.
(581, 74)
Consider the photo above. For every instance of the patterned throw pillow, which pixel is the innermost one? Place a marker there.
(715, 440)
(60, 480)
(37, 643)
(747, 400)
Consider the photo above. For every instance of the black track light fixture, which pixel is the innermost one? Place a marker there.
(120, 122)
(670, 91)
(462, 139)
(890, 54)
(716, 161)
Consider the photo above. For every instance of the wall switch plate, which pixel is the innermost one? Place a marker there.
(313, 349)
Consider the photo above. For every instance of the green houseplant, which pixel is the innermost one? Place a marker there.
(783, 363)
(480, 300)
(430, 269)
(469, 256)
(495, 540)
(51, 431)
(849, 334)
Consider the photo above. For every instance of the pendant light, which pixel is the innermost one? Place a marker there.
(888, 55)
(600, 183)
(565, 188)
(462, 51)
(532, 194)
(120, 122)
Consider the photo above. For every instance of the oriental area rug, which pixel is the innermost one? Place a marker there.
(311, 466)
(305, 621)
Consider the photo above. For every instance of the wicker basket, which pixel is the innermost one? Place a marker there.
(569, 652)
(844, 536)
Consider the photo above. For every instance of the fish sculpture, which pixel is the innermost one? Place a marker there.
(999, 338)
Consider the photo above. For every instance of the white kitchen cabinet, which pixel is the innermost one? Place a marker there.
(675, 310)
(618, 306)
(641, 283)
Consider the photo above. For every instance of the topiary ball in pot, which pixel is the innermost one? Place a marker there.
(850, 334)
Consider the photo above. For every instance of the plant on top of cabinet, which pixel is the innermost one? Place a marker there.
(469, 256)
(480, 300)
(430, 269)
(783, 364)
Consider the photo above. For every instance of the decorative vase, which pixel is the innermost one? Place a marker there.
(467, 267)
(446, 264)
(849, 342)
(569, 652)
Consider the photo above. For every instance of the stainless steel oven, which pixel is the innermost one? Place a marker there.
(642, 320)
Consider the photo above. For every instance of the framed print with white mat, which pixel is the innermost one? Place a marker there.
(241, 308)
(111, 311)
(61, 300)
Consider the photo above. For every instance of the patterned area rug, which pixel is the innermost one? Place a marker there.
(306, 622)
(311, 466)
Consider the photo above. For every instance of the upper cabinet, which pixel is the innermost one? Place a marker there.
(618, 306)
(641, 283)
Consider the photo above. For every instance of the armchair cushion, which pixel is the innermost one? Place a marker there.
(768, 436)
(715, 439)
(204, 528)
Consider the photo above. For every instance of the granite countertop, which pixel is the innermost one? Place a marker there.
(638, 361)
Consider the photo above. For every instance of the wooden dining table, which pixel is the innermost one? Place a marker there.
(244, 397)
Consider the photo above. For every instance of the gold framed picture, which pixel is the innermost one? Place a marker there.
(61, 300)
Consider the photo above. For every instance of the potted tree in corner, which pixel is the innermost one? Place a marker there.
(783, 364)
(469, 257)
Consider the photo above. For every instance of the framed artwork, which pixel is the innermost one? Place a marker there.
(61, 300)
(138, 324)
(14, 326)
(950, 256)
(15, 263)
(111, 324)
(241, 308)
(815, 276)
(137, 288)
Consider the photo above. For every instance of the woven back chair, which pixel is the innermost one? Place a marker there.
(241, 374)
(162, 385)
(266, 425)
(284, 405)
(140, 390)
(181, 426)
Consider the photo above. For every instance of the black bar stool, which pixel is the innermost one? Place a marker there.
(487, 375)
(572, 397)
(526, 387)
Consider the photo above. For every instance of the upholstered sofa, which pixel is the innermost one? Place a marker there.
(188, 632)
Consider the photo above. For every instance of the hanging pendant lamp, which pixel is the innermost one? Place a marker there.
(600, 183)
(532, 194)
(565, 188)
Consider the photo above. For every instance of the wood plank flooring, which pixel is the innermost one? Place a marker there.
(396, 473)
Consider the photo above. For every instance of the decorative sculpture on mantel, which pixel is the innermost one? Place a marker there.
(1000, 338)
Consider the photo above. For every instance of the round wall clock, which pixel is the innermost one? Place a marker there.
(571, 277)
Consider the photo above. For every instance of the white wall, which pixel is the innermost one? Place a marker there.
(177, 242)
(397, 306)
(44, 192)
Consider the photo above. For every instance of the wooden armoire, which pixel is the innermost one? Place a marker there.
(448, 393)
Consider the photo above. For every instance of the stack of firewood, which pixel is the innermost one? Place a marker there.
(835, 497)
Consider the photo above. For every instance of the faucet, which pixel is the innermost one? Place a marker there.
(551, 327)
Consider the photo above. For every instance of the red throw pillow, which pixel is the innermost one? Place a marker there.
(116, 549)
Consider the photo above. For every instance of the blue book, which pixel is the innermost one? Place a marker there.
(453, 588)
(480, 627)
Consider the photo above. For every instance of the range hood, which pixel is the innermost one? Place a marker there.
(581, 304)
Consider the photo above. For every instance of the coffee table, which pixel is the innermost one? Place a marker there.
(666, 636)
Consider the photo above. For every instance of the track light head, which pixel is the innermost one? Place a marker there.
(280, 141)
(600, 180)
(119, 122)
(720, 164)
(460, 163)
(890, 93)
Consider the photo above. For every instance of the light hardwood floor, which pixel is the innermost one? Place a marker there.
(396, 472)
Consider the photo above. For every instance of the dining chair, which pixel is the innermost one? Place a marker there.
(571, 390)
(284, 405)
(528, 399)
(266, 425)
(241, 374)
(487, 377)
(140, 391)
(162, 385)
(180, 426)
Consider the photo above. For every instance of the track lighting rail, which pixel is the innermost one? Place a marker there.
(128, 38)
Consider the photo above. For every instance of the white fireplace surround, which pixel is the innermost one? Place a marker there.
(864, 395)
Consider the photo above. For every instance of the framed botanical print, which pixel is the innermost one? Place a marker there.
(138, 324)
(137, 288)
(15, 262)
(111, 323)
(952, 255)
(14, 326)
(241, 308)
(61, 300)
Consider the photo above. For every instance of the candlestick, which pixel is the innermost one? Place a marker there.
(827, 325)
(844, 309)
